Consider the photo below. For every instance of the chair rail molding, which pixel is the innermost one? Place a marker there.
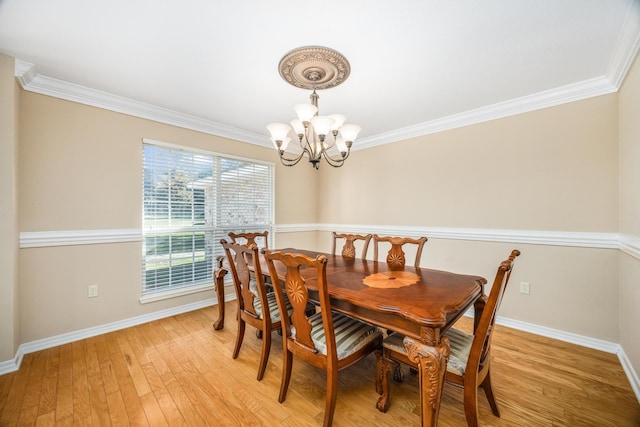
(534, 237)
(626, 243)
(40, 239)
(630, 245)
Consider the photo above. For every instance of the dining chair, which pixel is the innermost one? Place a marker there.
(327, 339)
(396, 256)
(256, 307)
(349, 248)
(250, 238)
(469, 361)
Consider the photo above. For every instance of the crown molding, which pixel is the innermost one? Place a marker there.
(31, 81)
(549, 98)
(626, 47)
(625, 52)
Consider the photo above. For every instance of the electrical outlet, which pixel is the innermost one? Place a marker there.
(92, 291)
(524, 288)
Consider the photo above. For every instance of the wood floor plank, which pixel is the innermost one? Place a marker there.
(6, 383)
(45, 420)
(34, 381)
(178, 371)
(81, 395)
(126, 385)
(153, 411)
(64, 387)
(179, 397)
(161, 394)
(117, 412)
(133, 366)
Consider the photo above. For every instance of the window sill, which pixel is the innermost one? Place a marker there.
(173, 293)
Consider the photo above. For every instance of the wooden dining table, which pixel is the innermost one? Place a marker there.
(419, 303)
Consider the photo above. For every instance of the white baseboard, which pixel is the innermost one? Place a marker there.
(632, 375)
(596, 344)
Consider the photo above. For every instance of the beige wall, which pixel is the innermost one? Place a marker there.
(630, 213)
(80, 168)
(551, 169)
(554, 169)
(9, 104)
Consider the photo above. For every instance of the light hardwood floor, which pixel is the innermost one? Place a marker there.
(179, 371)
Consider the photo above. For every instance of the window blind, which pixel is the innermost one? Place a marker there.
(191, 200)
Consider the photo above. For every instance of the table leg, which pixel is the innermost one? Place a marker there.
(432, 361)
(218, 277)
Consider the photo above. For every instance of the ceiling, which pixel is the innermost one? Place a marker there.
(416, 66)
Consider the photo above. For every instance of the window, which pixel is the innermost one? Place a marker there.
(191, 200)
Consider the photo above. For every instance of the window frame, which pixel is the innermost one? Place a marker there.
(215, 229)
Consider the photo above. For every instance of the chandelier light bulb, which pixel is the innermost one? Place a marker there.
(338, 120)
(305, 112)
(342, 146)
(279, 131)
(322, 125)
(349, 132)
(298, 126)
(285, 143)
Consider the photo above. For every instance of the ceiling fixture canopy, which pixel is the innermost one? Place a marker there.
(314, 68)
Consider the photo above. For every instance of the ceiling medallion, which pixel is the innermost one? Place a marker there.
(314, 67)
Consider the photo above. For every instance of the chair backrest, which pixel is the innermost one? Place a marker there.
(296, 290)
(396, 257)
(241, 263)
(349, 249)
(479, 352)
(250, 238)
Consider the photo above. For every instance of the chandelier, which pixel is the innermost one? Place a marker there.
(314, 68)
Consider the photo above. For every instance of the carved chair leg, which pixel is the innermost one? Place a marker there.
(332, 392)
(239, 337)
(471, 402)
(488, 391)
(287, 361)
(264, 357)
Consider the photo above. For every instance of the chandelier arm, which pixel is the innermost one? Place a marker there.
(336, 163)
(291, 161)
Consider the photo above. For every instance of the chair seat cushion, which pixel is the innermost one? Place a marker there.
(460, 348)
(273, 307)
(351, 334)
